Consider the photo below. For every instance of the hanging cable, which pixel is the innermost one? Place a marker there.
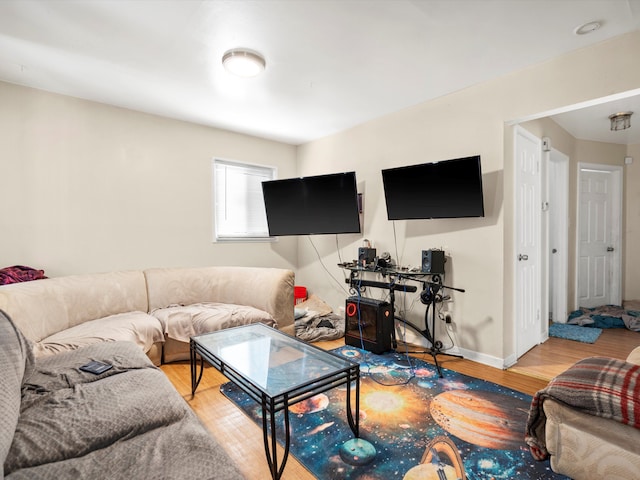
(341, 285)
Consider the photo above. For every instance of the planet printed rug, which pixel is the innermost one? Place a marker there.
(413, 425)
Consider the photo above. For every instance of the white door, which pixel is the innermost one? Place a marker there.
(599, 221)
(527, 240)
(558, 188)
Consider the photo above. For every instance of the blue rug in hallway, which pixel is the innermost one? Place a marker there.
(574, 332)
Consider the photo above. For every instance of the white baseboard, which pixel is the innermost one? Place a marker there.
(510, 361)
(415, 339)
(484, 359)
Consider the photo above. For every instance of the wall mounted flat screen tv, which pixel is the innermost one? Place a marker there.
(320, 204)
(445, 189)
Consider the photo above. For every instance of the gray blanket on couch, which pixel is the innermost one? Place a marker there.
(127, 423)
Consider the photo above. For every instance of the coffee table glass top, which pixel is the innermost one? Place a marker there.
(274, 362)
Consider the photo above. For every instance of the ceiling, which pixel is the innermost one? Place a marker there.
(331, 64)
(592, 123)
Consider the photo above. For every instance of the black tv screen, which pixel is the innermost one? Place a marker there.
(312, 205)
(445, 189)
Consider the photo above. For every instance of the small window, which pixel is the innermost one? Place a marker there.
(238, 201)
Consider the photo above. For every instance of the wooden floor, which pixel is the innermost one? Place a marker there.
(554, 356)
(242, 438)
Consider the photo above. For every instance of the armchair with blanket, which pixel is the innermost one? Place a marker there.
(587, 420)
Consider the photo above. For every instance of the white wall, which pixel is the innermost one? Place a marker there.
(88, 187)
(468, 122)
(631, 285)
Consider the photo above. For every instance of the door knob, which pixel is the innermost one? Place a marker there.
(555, 250)
(523, 257)
(610, 249)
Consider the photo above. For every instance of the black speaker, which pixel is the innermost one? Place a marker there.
(433, 261)
(368, 324)
(366, 256)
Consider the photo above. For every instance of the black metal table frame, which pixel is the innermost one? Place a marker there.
(398, 276)
(272, 405)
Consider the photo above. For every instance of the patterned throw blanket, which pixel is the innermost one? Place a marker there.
(603, 387)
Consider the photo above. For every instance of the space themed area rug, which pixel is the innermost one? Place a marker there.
(413, 425)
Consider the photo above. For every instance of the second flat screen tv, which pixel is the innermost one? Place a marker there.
(445, 189)
(320, 204)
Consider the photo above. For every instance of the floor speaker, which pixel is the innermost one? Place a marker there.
(433, 261)
(369, 324)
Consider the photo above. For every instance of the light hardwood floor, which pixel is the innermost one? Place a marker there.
(555, 355)
(242, 438)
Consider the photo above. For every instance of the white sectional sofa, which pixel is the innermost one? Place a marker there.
(158, 309)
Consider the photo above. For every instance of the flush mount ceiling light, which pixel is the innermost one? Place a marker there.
(243, 63)
(620, 120)
(587, 28)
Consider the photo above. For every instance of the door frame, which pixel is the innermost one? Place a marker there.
(558, 234)
(616, 228)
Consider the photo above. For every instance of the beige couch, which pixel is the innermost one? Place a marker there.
(587, 447)
(158, 309)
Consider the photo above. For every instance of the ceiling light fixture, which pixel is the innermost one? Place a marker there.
(620, 120)
(243, 63)
(587, 28)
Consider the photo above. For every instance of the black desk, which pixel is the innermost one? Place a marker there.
(431, 286)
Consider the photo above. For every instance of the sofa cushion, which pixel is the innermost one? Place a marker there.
(59, 371)
(128, 422)
(138, 327)
(16, 364)
(44, 307)
(268, 289)
(181, 322)
(68, 413)
(180, 450)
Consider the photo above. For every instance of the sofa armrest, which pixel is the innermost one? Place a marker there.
(634, 356)
(588, 447)
(16, 364)
(268, 289)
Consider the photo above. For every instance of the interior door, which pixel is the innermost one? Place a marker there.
(527, 156)
(558, 188)
(598, 237)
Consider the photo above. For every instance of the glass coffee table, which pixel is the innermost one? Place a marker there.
(276, 370)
